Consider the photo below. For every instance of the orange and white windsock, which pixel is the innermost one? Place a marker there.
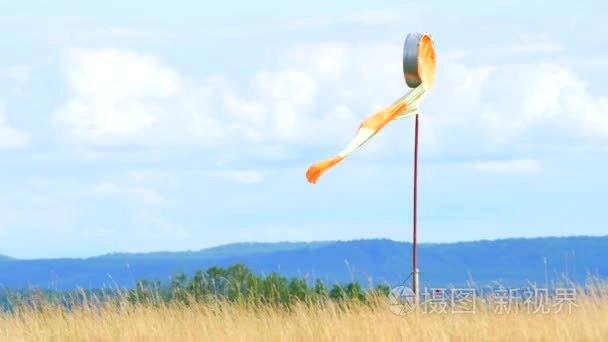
(403, 107)
(419, 72)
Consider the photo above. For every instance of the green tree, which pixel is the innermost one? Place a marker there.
(298, 289)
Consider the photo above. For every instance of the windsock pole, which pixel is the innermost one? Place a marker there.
(415, 280)
(418, 69)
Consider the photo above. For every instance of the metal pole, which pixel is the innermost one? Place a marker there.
(414, 264)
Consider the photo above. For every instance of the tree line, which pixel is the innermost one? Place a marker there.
(237, 283)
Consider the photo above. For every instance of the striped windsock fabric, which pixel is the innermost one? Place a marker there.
(405, 106)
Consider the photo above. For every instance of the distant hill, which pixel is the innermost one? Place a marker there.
(513, 262)
(242, 249)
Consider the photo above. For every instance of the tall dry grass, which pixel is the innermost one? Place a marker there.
(330, 321)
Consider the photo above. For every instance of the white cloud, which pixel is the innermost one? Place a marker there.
(326, 60)
(139, 232)
(125, 33)
(17, 73)
(545, 96)
(532, 43)
(142, 194)
(508, 166)
(152, 176)
(122, 97)
(487, 106)
(115, 94)
(10, 137)
(492, 108)
(374, 17)
(154, 228)
(238, 176)
(316, 95)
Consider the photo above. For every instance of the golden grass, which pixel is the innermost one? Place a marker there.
(224, 321)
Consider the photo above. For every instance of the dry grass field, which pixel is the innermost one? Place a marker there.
(223, 321)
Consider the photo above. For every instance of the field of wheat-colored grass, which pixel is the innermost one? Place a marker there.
(224, 321)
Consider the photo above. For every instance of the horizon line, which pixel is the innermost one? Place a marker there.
(300, 242)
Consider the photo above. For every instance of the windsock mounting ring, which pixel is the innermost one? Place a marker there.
(419, 60)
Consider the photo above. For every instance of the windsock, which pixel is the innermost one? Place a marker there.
(419, 74)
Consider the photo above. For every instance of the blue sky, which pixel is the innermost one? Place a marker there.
(139, 127)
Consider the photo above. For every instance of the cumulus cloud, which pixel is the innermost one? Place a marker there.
(115, 95)
(140, 186)
(508, 166)
(549, 95)
(19, 73)
(120, 97)
(531, 43)
(123, 97)
(238, 176)
(143, 176)
(316, 94)
(495, 107)
(156, 229)
(374, 17)
(140, 194)
(487, 106)
(10, 137)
